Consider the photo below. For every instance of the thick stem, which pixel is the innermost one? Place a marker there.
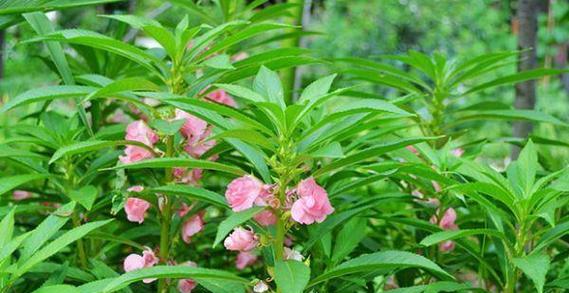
(278, 245)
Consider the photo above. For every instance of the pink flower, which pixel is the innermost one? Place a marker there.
(135, 208)
(447, 221)
(135, 154)
(136, 188)
(221, 97)
(458, 152)
(183, 210)
(242, 192)
(196, 131)
(436, 186)
(245, 259)
(265, 218)
(241, 240)
(261, 287)
(412, 149)
(21, 195)
(134, 262)
(187, 285)
(183, 175)
(139, 131)
(239, 56)
(313, 204)
(446, 246)
(291, 254)
(192, 226)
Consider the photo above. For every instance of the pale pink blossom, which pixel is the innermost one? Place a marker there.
(222, 97)
(313, 204)
(183, 210)
(261, 287)
(21, 195)
(265, 218)
(191, 176)
(192, 226)
(196, 132)
(245, 259)
(241, 240)
(412, 149)
(136, 188)
(135, 209)
(446, 246)
(239, 56)
(436, 186)
(134, 262)
(448, 220)
(242, 192)
(458, 152)
(187, 285)
(291, 254)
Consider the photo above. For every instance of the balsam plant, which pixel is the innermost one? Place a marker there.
(185, 168)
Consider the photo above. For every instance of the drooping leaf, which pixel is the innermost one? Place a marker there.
(232, 221)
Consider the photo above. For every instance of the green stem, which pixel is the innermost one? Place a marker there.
(166, 218)
(278, 244)
(80, 244)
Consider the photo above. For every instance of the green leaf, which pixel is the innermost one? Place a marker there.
(390, 260)
(232, 221)
(161, 163)
(92, 145)
(171, 272)
(349, 237)
(515, 78)
(368, 154)
(46, 229)
(318, 88)
(291, 276)
(123, 85)
(242, 92)
(535, 266)
(527, 115)
(56, 245)
(193, 193)
(455, 234)
(58, 289)
(331, 150)
(7, 228)
(522, 173)
(46, 94)
(268, 84)
(85, 196)
(222, 61)
(167, 127)
(9, 183)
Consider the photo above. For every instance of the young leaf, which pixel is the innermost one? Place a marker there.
(268, 84)
(222, 61)
(318, 88)
(291, 276)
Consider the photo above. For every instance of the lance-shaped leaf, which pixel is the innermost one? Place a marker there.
(535, 266)
(391, 260)
(161, 163)
(451, 235)
(47, 94)
(193, 193)
(9, 183)
(234, 220)
(291, 276)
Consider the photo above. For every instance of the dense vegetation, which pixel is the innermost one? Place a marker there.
(251, 146)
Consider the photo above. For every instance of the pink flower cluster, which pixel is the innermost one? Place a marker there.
(135, 262)
(138, 131)
(447, 222)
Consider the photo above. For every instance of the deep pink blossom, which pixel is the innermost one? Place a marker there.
(313, 204)
(241, 240)
(245, 259)
(192, 226)
(135, 209)
(242, 192)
